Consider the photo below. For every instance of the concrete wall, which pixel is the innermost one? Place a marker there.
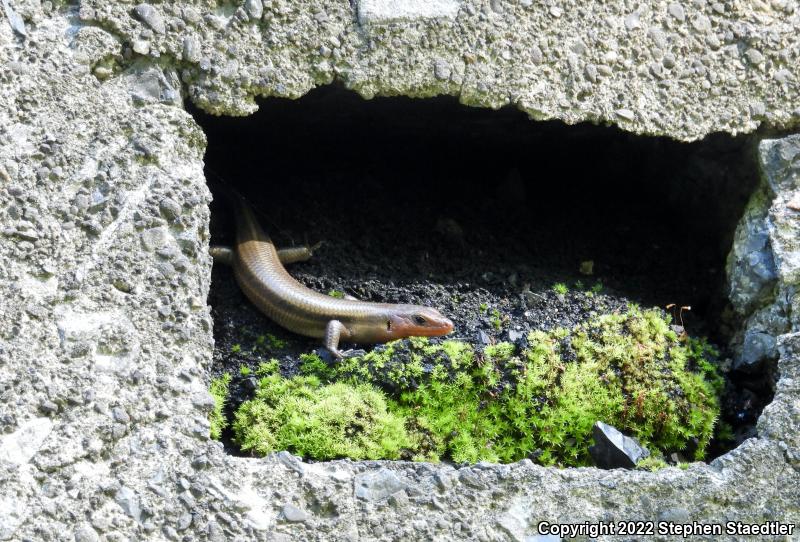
(105, 335)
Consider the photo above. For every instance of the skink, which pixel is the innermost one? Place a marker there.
(258, 268)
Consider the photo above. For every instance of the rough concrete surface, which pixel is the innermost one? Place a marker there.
(680, 68)
(105, 335)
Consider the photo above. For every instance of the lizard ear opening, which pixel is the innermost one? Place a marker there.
(388, 325)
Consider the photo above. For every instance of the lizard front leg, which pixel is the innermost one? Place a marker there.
(334, 331)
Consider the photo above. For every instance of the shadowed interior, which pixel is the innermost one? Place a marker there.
(430, 202)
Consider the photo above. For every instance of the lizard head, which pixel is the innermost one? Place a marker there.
(417, 321)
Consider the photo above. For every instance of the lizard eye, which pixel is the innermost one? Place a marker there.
(419, 320)
(388, 325)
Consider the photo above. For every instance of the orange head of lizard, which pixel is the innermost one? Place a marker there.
(417, 321)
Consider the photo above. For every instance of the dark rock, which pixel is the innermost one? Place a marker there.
(613, 450)
(325, 355)
(354, 353)
(757, 348)
(250, 384)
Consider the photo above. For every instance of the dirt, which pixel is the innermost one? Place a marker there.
(479, 214)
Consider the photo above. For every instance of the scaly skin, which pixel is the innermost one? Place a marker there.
(259, 271)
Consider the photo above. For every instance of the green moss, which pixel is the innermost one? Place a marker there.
(496, 320)
(236, 348)
(219, 391)
(560, 288)
(500, 404)
(312, 364)
(652, 464)
(336, 293)
(270, 341)
(319, 421)
(267, 368)
(244, 370)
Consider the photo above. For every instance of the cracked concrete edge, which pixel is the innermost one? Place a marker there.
(763, 267)
(104, 431)
(662, 68)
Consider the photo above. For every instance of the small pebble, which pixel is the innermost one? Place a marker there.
(441, 69)
(536, 55)
(254, 8)
(48, 407)
(676, 10)
(293, 514)
(754, 56)
(151, 17)
(625, 114)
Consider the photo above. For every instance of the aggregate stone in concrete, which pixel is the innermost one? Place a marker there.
(105, 335)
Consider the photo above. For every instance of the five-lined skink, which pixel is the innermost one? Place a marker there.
(258, 268)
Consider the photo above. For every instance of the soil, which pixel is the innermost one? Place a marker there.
(479, 214)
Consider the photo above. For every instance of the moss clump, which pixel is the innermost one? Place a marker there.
(503, 404)
(496, 320)
(219, 391)
(560, 288)
(321, 421)
(652, 464)
(270, 341)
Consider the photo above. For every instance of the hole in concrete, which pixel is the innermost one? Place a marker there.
(483, 215)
